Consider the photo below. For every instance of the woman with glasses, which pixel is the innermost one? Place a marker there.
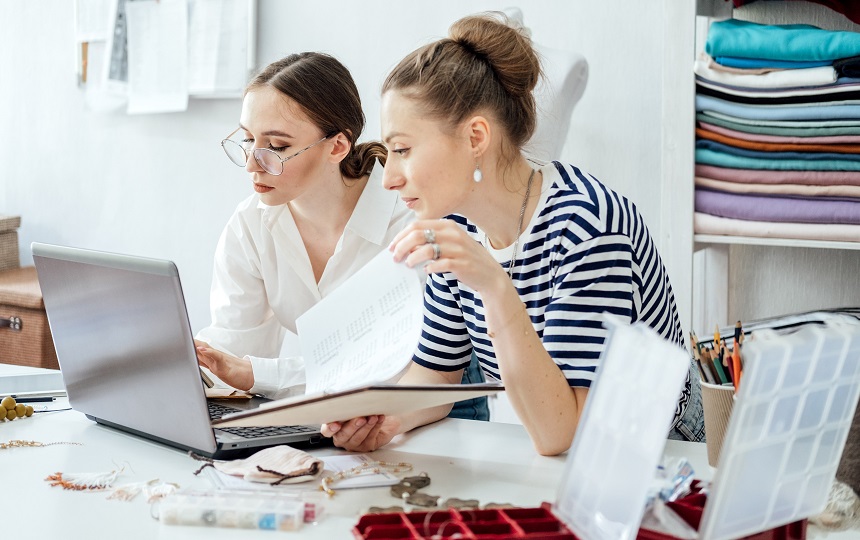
(530, 261)
(318, 213)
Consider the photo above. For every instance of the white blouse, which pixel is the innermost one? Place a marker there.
(263, 279)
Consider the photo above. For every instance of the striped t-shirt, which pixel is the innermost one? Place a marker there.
(585, 252)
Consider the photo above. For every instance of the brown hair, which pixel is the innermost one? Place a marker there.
(483, 64)
(324, 89)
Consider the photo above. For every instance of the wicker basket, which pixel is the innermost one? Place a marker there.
(27, 343)
(9, 242)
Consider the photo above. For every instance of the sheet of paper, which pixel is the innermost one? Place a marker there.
(92, 20)
(218, 47)
(157, 57)
(366, 331)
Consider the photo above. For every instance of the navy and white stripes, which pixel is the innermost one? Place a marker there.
(586, 252)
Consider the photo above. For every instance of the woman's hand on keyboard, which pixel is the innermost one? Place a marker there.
(237, 372)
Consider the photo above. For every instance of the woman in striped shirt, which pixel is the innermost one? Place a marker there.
(528, 261)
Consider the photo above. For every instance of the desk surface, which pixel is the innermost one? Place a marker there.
(491, 462)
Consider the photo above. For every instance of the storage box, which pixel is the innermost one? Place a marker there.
(25, 337)
(9, 242)
(691, 508)
(523, 523)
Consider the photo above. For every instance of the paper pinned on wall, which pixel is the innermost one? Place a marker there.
(91, 20)
(218, 47)
(157, 75)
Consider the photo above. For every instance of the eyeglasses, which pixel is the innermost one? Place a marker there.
(266, 158)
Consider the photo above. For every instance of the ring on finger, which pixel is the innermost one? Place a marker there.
(437, 251)
(429, 236)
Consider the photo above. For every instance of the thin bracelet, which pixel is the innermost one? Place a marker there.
(492, 333)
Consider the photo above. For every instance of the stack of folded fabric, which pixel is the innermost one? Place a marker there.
(778, 132)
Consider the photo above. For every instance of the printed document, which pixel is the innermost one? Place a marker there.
(366, 331)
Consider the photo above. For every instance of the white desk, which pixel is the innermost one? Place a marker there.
(490, 462)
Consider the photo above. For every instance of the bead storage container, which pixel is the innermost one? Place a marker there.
(533, 523)
(239, 510)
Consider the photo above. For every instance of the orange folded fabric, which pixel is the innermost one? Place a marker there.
(777, 147)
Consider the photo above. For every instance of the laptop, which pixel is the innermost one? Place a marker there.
(127, 354)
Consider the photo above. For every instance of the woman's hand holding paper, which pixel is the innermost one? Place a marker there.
(363, 434)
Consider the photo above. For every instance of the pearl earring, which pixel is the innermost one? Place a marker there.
(477, 176)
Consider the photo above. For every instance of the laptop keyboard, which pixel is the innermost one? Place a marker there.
(216, 411)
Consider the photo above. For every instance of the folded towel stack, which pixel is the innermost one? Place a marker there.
(778, 132)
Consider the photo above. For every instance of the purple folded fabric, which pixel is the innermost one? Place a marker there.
(782, 209)
(817, 178)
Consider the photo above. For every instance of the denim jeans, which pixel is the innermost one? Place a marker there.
(691, 427)
(475, 408)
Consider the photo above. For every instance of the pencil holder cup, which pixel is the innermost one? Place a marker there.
(717, 402)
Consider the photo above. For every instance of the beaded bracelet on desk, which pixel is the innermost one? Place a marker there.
(372, 467)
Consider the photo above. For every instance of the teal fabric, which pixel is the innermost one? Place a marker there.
(476, 408)
(720, 159)
(781, 131)
(797, 42)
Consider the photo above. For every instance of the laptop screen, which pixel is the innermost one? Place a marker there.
(124, 342)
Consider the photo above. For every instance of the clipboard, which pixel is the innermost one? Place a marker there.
(387, 399)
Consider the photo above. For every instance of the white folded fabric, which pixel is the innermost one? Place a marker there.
(708, 224)
(775, 79)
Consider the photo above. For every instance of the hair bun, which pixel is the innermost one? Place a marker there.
(494, 37)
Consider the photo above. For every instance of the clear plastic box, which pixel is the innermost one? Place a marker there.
(787, 431)
(238, 510)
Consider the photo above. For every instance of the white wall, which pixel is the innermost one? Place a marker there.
(159, 185)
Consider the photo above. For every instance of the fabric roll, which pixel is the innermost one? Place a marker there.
(829, 140)
(786, 78)
(758, 63)
(790, 42)
(704, 144)
(837, 88)
(849, 94)
(722, 159)
(763, 176)
(713, 64)
(828, 123)
(847, 67)
(849, 8)
(780, 129)
(708, 224)
(782, 209)
(779, 112)
(838, 192)
(778, 146)
(823, 95)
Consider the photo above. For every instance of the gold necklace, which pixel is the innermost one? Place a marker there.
(17, 443)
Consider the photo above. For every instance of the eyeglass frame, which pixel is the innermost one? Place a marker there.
(255, 150)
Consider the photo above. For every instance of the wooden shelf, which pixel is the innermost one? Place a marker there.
(783, 242)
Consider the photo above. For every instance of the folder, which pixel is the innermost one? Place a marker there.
(387, 399)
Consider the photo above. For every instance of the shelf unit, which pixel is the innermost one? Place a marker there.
(710, 254)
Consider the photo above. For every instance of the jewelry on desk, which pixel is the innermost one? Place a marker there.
(461, 504)
(371, 467)
(17, 443)
(84, 481)
(128, 492)
(410, 485)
